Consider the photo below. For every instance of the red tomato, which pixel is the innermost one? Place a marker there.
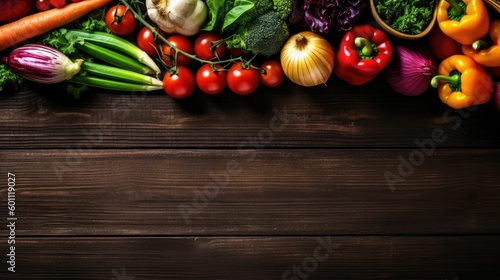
(120, 20)
(58, 3)
(273, 75)
(182, 43)
(43, 5)
(146, 41)
(203, 46)
(11, 10)
(241, 80)
(179, 85)
(210, 82)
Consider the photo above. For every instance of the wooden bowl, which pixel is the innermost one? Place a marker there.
(495, 4)
(402, 35)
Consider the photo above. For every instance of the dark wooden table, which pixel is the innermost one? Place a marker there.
(329, 182)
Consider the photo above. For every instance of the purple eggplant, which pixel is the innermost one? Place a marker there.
(42, 64)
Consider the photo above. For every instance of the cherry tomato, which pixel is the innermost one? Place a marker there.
(273, 75)
(179, 85)
(43, 5)
(241, 80)
(58, 3)
(181, 42)
(210, 82)
(146, 41)
(203, 46)
(120, 20)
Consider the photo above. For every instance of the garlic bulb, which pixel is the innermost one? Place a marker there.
(176, 16)
(307, 59)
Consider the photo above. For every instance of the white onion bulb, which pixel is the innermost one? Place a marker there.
(307, 59)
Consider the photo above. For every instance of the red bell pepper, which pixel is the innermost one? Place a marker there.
(363, 53)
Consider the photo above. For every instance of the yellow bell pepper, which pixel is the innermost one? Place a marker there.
(462, 82)
(465, 21)
(483, 52)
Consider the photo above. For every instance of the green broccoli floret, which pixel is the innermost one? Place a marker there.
(283, 8)
(264, 35)
(260, 7)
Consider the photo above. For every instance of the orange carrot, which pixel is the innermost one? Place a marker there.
(42, 22)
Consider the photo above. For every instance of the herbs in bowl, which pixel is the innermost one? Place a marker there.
(410, 17)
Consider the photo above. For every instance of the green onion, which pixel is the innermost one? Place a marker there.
(114, 58)
(112, 85)
(116, 73)
(112, 41)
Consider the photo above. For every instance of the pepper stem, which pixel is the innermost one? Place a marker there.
(456, 10)
(453, 80)
(364, 45)
(480, 45)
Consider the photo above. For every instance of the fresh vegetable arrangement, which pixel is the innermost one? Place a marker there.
(179, 47)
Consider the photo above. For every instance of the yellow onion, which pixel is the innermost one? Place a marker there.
(307, 59)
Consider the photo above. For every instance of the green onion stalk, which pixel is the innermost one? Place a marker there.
(110, 41)
(129, 67)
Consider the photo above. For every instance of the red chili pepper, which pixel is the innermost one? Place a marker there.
(363, 53)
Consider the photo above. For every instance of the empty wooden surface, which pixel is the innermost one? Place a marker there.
(133, 186)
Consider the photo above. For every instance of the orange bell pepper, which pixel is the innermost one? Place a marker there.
(465, 21)
(483, 52)
(462, 82)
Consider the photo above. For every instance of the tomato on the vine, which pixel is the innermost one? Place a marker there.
(182, 43)
(58, 3)
(273, 74)
(146, 41)
(43, 5)
(208, 44)
(179, 84)
(120, 20)
(210, 81)
(242, 80)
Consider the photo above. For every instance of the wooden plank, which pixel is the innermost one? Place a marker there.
(245, 192)
(338, 115)
(314, 257)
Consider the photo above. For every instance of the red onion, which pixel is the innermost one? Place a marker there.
(42, 64)
(411, 70)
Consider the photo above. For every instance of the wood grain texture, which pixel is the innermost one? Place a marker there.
(337, 257)
(248, 192)
(322, 116)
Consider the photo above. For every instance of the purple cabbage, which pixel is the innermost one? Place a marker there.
(324, 17)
